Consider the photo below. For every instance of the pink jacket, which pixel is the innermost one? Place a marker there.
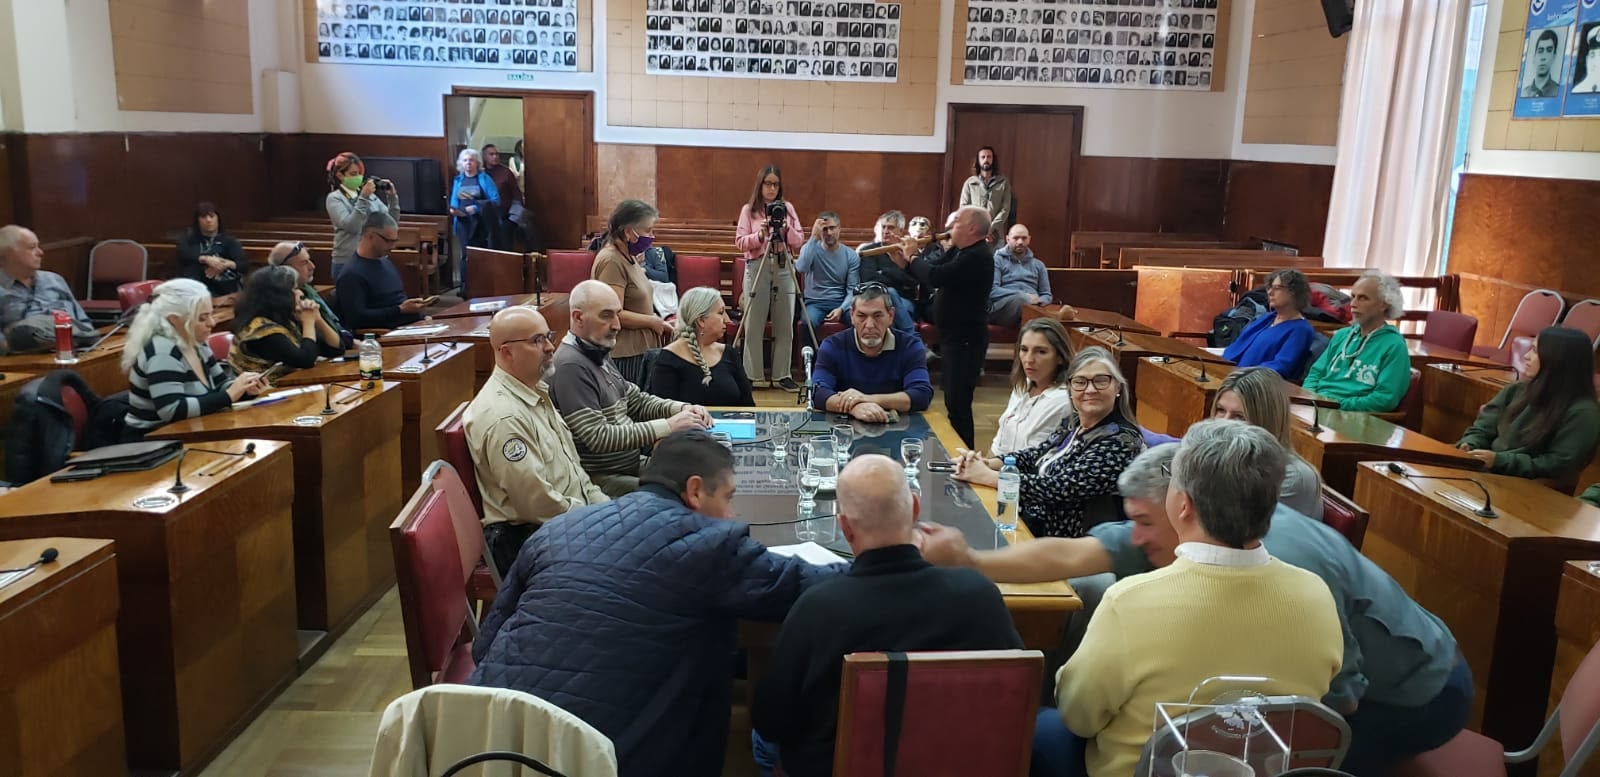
(748, 237)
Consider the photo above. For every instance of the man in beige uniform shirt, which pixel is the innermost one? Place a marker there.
(522, 453)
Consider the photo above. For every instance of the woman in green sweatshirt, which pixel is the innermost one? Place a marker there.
(1367, 366)
(1546, 425)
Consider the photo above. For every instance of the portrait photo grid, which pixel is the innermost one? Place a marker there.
(1560, 71)
(798, 39)
(503, 34)
(1118, 44)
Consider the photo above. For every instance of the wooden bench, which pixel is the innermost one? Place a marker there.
(408, 261)
(1085, 246)
(1166, 256)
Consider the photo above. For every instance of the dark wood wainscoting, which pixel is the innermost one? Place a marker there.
(714, 183)
(297, 164)
(1536, 231)
(1132, 194)
(1278, 201)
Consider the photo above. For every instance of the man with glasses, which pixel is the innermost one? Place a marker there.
(871, 368)
(298, 258)
(370, 292)
(524, 457)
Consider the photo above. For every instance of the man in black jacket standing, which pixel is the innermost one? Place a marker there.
(891, 599)
(963, 275)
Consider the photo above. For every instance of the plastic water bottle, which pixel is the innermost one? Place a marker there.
(371, 358)
(1010, 496)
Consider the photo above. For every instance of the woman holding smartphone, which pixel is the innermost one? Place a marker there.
(278, 325)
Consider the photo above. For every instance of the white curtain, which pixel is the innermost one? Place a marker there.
(1397, 129)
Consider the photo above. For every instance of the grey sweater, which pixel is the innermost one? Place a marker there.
(349, 214)
(611, 420)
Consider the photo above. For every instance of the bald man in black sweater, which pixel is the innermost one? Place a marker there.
(963, 274)
(891, 599)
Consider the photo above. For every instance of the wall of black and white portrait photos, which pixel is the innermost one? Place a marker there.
(800, 39)
(1118, 44)
(514, 35)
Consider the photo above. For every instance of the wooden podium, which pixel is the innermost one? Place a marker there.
(1494, 581)
(206, 631)
(1451, 398)
(347, 490)
(1348, 438)
(58, 643)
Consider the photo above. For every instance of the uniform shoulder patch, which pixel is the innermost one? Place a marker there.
(514, 449)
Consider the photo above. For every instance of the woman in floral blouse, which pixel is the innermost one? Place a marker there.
(1069, 482)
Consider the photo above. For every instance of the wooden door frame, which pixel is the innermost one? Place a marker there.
(1076, 150)
(591, 201)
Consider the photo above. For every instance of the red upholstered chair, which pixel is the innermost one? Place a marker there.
(1585, 317)
(427, 563)
(696, 271)
(968, 713)
(113, 263)
(1345, 516)
(1538, 309)
(928, 332)
(738, 282)
(1317, 736)
(459, 477)
(78, 409)
(1409, 412)
(221, 344)
(1450, 329)
(1520, 348)
(132, 295)
(568, 269)
(452, 437)
(1472, 754)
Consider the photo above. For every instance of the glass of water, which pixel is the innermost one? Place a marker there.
(810, 481)
(911, 454)
(780, 437)
(843, 435)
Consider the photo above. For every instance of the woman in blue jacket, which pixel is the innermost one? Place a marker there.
(475, 206)
(1281, 341)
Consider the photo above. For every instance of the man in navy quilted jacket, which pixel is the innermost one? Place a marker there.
(624, 613)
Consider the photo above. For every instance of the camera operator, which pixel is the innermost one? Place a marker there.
(352, 199)
(767, 224)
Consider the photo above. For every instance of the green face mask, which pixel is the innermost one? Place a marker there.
(354, 182)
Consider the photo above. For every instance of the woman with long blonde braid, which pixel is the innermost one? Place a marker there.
(693, 368)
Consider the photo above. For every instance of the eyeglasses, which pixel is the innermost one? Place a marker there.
(293, 252)
(1166, 469)
(542, 339)
(1100, 382)
(871, 286)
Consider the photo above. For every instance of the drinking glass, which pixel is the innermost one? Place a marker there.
(780, 437)
(810, 482)
(911, 453)
(820, 454)
(805, 527)
(843, 435)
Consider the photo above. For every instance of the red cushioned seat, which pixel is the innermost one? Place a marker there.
(568, 269)
(221, 344)
(427, 563)
(1538, 309)
(483, 581)
(132, 295)
(696, 271)
(1003, 334)
(1450, 329)
(1345, 516)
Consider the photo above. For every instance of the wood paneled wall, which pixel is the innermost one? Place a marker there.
(297, 164)
(1277, 201)
(1127, 194)
(1538, 231)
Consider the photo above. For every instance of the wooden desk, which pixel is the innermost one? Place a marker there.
(1577, 630)
(1451, 398)
(464, 309)
(206, 632)
(1172, 396)
(100, 368)
(1493, 581)
(475, 330)
(1423, 354)
(58, 643)
(1347, 439)
(1087, 317)
(1125, 351)
(346, 492)
(430, 387)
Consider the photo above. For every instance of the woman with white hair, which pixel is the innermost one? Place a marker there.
(695, 367)
(172, 374)
(1367, 366)
(474, 201)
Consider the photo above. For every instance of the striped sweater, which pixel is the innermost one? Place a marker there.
(163, 389)
(611, 420)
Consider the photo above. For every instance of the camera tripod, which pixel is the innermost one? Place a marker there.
(778, 258)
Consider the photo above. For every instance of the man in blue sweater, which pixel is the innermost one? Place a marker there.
(870, 369)
(1020, 278)
(831, 270)
(369, 292)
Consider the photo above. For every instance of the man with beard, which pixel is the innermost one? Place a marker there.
(522, 454)
(990, 190)
(610, 418)
(871, 368)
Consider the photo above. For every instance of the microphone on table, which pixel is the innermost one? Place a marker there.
(1316, 415)
(1486, 511)
(178, 486)
(1121, 341)
(47, 557)
(327, 395)
(806, 355)
(1201, 378)
(427, 358)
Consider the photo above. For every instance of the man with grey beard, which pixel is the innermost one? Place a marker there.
(523, 456)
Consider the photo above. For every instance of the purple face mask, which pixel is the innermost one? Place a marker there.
(641, 244)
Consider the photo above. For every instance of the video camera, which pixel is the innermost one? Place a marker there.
(777, 218)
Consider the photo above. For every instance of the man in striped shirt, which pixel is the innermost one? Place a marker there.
(611, 420)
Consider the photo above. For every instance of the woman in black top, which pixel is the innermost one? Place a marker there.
(694, 368)
(277, 324)
(209, 255)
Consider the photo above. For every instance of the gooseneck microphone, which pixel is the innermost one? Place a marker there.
(1486, 511)
(807, 354)
(427, 358)
(1316, 415)
(178, 486)
(47, 557)
(327, 395)
(1201, 378)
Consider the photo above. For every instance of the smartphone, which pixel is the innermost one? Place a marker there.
(941, 466)
(272, 372)
(430, 300)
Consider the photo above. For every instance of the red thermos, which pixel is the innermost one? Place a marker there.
(64, 337)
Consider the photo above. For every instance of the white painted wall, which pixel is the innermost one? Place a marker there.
(1577, 165)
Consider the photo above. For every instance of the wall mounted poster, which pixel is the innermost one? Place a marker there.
(1544, 59)
(519, 35)
(1118, 44)
(1584, 98)
(799, 39)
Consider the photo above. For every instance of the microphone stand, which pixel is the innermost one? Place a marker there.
(1486, 511)
(178, 486)
(327, 395)
(1316, 417)
(427, 358)
(1201, 378)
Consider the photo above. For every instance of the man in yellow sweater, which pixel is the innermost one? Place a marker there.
(1224, 607)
